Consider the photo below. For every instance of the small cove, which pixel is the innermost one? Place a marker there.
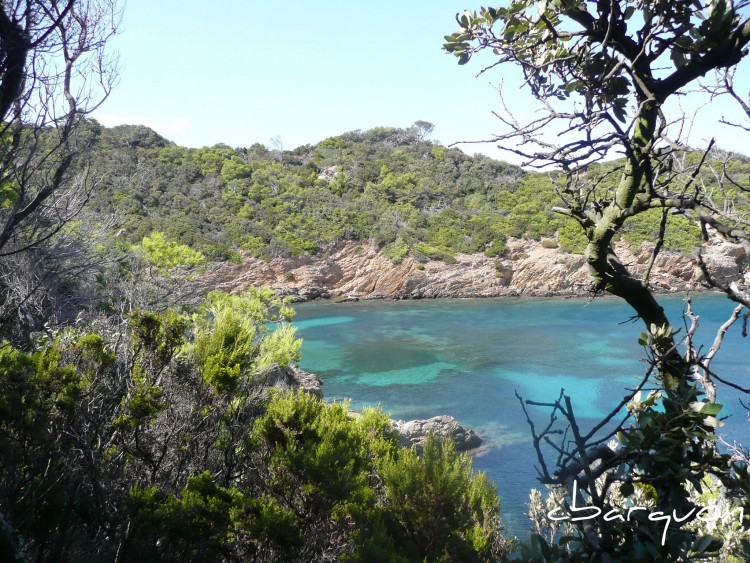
(467, 357)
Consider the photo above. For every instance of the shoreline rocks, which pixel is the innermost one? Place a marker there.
(415, 432)
(409, 432)
(352, 271)
(292, 377)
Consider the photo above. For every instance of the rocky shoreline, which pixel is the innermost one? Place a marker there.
(351, 271)
(409, 432)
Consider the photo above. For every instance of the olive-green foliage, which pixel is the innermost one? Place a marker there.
(156, 337)
(163, 253)
(225, 352)
(117, 433)
(432, 507)
(8, 195)
(201, 512)
(232, 340)
(326, 453)
(42, 399)
(38, 382)
(396, 250)
(497, 248)
(442, 508)
(390, 185)
(681, 233)
(208, 520)
(424, 250)
(571, 238)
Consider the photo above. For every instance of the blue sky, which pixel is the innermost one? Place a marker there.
(241, 72)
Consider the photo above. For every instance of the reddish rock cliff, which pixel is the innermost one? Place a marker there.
(354, 271)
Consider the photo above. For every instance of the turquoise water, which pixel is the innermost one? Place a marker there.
(466, 358)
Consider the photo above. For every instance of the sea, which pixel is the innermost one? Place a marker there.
(473, 358)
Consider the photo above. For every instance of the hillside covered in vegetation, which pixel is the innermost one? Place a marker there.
(393, 186)
(147, 410)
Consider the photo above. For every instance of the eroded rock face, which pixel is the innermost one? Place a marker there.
(353, 271)
(541, 271)
(415, 432)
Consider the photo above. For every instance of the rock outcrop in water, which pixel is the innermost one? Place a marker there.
(415, 432)
(353, 271)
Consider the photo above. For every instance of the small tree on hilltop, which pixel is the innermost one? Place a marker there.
(606, 75)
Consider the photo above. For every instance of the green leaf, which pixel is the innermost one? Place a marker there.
(705, 544)
(711, 409)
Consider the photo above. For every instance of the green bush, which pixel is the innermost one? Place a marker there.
(571, 238)
(440, 507)
(396, 251)
(681, 233)
(433, 507)
(163, 253)
(496, 248)
(233, 342)
(435, 253)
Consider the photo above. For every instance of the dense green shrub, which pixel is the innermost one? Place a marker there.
(432, 507)
(168, 254)
(396, 251)
(441, 508)
(389, 184)
(233, 341)
(681, 233)
(571, 238)
(425, 250)
(158, 440)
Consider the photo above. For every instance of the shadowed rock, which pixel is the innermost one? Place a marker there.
(291, 378)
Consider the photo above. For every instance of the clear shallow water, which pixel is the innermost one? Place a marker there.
(465, 358)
